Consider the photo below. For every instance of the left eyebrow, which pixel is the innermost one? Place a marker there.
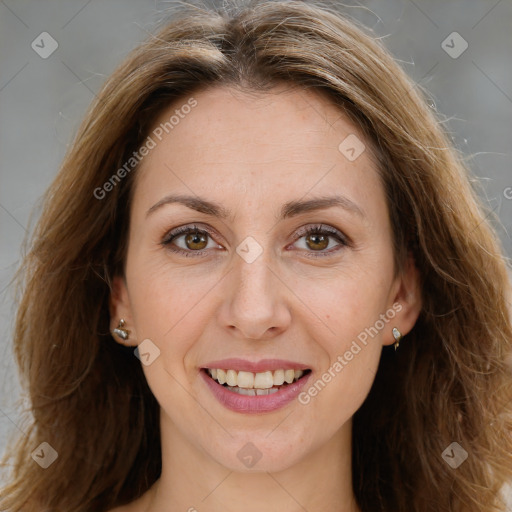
(289, 209)
(293, 208)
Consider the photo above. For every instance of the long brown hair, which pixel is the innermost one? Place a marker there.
(448, 382)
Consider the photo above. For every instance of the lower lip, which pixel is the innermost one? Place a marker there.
(255, 404)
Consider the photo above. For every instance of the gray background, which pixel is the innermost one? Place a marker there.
(42, 102)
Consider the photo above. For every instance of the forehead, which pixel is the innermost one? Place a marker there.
(285, 142)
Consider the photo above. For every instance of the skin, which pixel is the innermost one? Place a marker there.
(251, 154)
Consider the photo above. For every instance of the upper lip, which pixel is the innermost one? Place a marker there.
(255, 366)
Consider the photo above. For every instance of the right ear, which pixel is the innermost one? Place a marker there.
(120, 308)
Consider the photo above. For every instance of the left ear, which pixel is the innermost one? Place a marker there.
(406, 301)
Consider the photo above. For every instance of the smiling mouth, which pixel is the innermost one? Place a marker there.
(255, 384)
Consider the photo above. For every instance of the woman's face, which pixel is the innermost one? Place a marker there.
(249, 284)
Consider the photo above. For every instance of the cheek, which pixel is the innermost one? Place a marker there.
(169, 308)
(169, 304)
(344, 304)
(352, 355)
(350, 306)
(335, 396)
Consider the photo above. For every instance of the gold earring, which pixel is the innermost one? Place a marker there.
(398, 337)
(121, 331)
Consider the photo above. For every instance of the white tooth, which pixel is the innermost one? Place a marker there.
(248, 380)
(278, 377)
(245, 379)
(262, 392)
(289, 375)
(243, 391)
(231, 377)
(271, 391)
(221, 376)
(264, 380)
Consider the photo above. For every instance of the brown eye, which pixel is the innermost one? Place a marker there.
(316, 239)
(189, 241)
(317, 242)
(196, 241)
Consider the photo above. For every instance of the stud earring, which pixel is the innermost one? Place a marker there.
(398, 337)
(121, 331)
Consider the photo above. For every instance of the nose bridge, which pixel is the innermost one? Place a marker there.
(252, 281)
(254, 304)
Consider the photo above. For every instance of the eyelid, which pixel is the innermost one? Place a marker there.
(323, 228)
(181, 230)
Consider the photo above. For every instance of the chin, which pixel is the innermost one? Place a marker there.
(259, 453)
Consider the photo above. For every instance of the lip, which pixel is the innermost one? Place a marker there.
(243, 365)
(255, 404)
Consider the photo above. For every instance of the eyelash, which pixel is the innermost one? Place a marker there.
(317, 229)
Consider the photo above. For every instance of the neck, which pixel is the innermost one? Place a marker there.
(192, 481)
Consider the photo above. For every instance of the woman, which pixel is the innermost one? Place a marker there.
(262, 281)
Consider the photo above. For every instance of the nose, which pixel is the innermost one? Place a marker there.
(255, 305)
